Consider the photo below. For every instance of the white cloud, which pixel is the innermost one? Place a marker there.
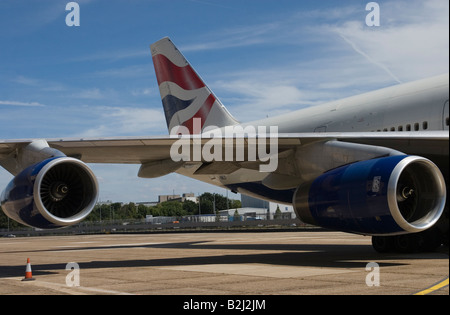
(411, 43)
(232, 37)
(93, 94)
(123, 121)
(369, 58)
(251, 98)
(114, 56)
(133, 71)
(16, 103)
(39, 84)
(142, 92)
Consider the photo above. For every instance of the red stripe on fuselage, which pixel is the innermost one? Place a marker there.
(184, 77)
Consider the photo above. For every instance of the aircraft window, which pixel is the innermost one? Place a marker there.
(416, 127)
(425, 125)
(400, 128)
(408, 127)
(392, 128)
(385, 129)
(446, 121)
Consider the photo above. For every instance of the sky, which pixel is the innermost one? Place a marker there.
(260, 57)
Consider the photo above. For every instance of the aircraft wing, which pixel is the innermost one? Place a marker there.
(142, 150)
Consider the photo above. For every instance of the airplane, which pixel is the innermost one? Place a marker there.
(375, 164)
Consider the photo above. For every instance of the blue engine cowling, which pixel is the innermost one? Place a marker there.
(386, 196)
(54, 193)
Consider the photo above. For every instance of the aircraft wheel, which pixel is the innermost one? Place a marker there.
(430, 240)
(408, 243)
(382, 244)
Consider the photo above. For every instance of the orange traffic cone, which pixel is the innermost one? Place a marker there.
(28, 272)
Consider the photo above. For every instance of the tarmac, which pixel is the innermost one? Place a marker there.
(224, 264)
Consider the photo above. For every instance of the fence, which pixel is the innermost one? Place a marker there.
(154, 224)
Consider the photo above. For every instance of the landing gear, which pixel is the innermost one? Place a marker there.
(427, 241)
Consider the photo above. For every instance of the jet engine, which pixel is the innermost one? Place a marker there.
(386, 196)
(54, 193)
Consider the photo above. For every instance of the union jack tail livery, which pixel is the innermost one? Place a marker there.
(186, 99)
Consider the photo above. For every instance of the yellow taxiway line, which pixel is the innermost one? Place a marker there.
(435, 287)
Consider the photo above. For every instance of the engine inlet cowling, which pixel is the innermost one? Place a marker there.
(386, 196)
(54, 193)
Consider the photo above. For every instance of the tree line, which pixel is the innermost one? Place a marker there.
(209, 204)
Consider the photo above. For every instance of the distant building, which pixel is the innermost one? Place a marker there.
(164, 198)
(183, 198)
(250, 202)
(190, 197)
(107, 202)
(244, 214)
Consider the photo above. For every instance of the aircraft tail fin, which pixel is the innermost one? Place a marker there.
(186, 99)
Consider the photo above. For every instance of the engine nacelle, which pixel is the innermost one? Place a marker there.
(386, 196)
(54, 193)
